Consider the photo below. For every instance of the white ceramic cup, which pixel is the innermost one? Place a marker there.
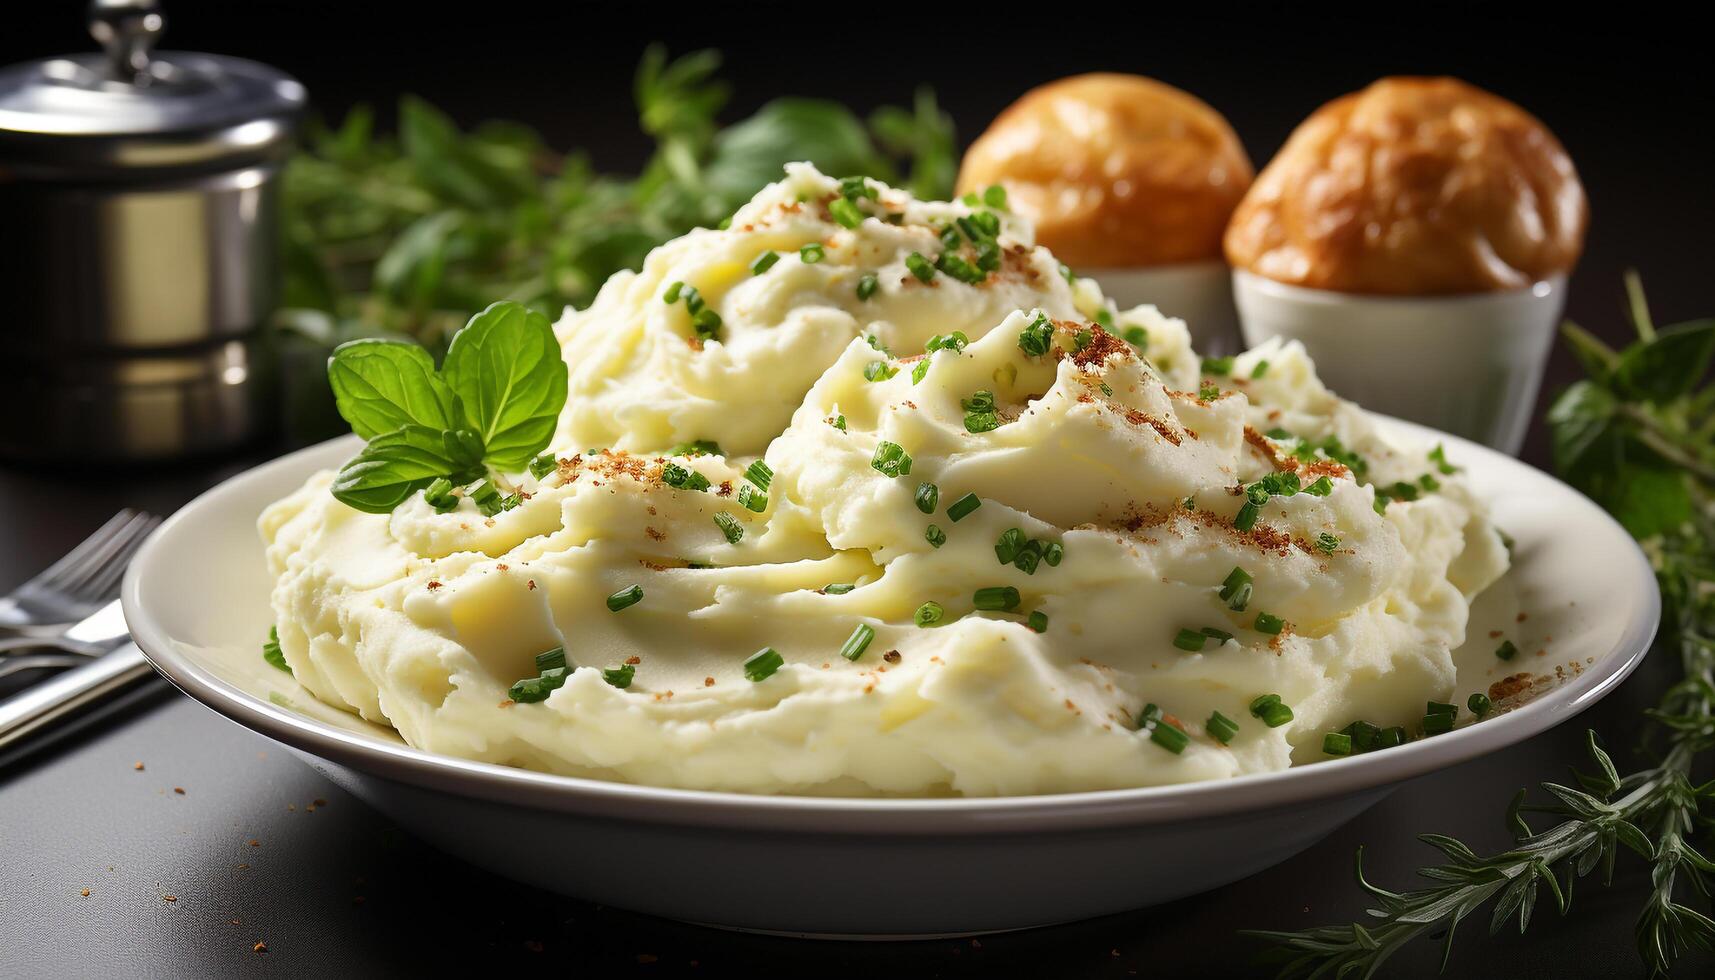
(1468, 364)
(1200, 293)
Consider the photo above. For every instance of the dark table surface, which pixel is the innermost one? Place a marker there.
(257, 848)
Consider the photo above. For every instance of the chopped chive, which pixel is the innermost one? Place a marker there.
(1429, 482)
(1150, 714)
(1260, 370)
(856, 188)
(959, 269)
(620, 676)
(764, 262)
(762, 664)
(1363, 735)
(920, 372)
(671, 296)
(697, 447)
(682, 478)
(1218, 366)
(1038, 621)
(1105, 318)
(838, 588)
(1266, 623)
(1036, 339)
(1246, 518)
(1506, 651)
(839, 422)
(950, 237)
(1441, 708)
(879, 371)
(927, 497)
(1437, 724)
(845, 212)
(920, 267)
(1208, 392)
(730, 527)
(1321, 488)
(1066, 274)
(1001, 597)
(1137, 337)
(812, 253)
(1334, 743)
(1221, 728)
(625, 597)
(994, 196)
(759, 473)
(928, 614)
(1082, 339)
(1007, 545)
(890, 460)
(693, 299)
(1236, 589)
(439, 495)
(534, 689)
(544, 464)
(1190, 640)
(1479, 704)
(1389, 738)
(858, 642)
(955, 341)
(752, 499)
(549, 659)
(866, 286)
(272, 653)
(1326, 543)
(1052, 553)
(1169, 737)
(1269, 708)
(1438, 456)
(934, 535)
(962, 508)
(1219, 636)
(1028, 557)
(978, 422)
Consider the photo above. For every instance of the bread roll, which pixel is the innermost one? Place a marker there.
(1413, 186)
(1116, 171)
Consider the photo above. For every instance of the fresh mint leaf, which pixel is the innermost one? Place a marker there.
(381, 385)
(1668, 365)
(392, 467)
(506, 370)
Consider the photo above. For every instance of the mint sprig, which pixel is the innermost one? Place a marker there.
(492, 405)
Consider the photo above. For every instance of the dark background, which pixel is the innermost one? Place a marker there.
(1628, 90)
(343, 892)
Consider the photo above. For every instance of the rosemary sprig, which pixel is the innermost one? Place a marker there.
(1638, 435)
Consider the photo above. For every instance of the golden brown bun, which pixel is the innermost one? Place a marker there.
(1115, 170)
(1414, 186)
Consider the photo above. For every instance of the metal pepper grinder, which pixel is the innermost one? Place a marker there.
(139, 245)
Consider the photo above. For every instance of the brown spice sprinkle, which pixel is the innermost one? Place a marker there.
(138, 767)
(708, 682)
(1161, 426)
(179, 790)
(1102, 345)
(260, 947)
(1506, 687)
(892, 656)
(84, 893)
(654, 534)
(169, 898)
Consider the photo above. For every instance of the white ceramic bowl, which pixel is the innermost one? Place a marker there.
(1200, 293)
(1469, 365)
(196, 598)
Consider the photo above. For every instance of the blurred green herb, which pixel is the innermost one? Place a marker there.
(1638, 436)
(408, 235)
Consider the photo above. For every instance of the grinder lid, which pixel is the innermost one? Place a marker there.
(133, 110)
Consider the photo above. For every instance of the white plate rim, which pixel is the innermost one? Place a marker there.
(863, 816)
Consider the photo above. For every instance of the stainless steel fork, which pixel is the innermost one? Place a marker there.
(79, 583)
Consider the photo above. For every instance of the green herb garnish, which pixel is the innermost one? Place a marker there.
(762, 664)
(271, 651)
(625, 598)
(962, 508)
(858, 642)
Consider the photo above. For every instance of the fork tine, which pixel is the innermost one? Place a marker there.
(72, 561)
(109, 559)
(107, 582)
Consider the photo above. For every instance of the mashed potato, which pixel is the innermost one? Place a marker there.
(1118, 466)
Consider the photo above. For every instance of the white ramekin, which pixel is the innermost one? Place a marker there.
(1468, 364)
(1200, 293)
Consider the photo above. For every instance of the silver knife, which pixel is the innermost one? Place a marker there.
(81, 688)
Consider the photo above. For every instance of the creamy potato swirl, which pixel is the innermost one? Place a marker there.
(1116, 456)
